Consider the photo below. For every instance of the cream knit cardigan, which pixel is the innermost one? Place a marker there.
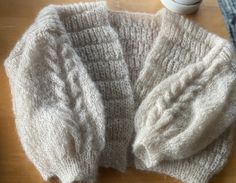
(94, 87)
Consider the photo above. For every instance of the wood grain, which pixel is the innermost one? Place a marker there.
(15, 17)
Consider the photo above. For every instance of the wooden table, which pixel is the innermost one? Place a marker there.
(15, 17)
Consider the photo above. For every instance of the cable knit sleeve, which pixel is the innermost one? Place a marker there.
(58, 110)
(187, 110)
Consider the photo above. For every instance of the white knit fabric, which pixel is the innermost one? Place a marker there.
(94, 87)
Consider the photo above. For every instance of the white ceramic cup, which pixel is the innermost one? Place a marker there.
(187, 2)
(180, 6)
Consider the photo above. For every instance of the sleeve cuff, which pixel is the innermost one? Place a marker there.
(83, 168)
(145, 149)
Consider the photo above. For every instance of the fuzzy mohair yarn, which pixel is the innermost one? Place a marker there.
(93, 87)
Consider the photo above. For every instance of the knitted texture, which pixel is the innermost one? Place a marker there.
(95, 87)
(98, 46)
(186, 96)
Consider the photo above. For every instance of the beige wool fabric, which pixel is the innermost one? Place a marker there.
(93, 87)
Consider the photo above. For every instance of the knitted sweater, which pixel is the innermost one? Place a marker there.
(95, 87)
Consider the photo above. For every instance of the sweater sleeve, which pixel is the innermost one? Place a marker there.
(58, 111)
(187, 110)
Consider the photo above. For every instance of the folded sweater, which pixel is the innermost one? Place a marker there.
(93, 87)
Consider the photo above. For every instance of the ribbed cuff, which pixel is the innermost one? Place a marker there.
(82, 168)
(74, 171)
(146, 148)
